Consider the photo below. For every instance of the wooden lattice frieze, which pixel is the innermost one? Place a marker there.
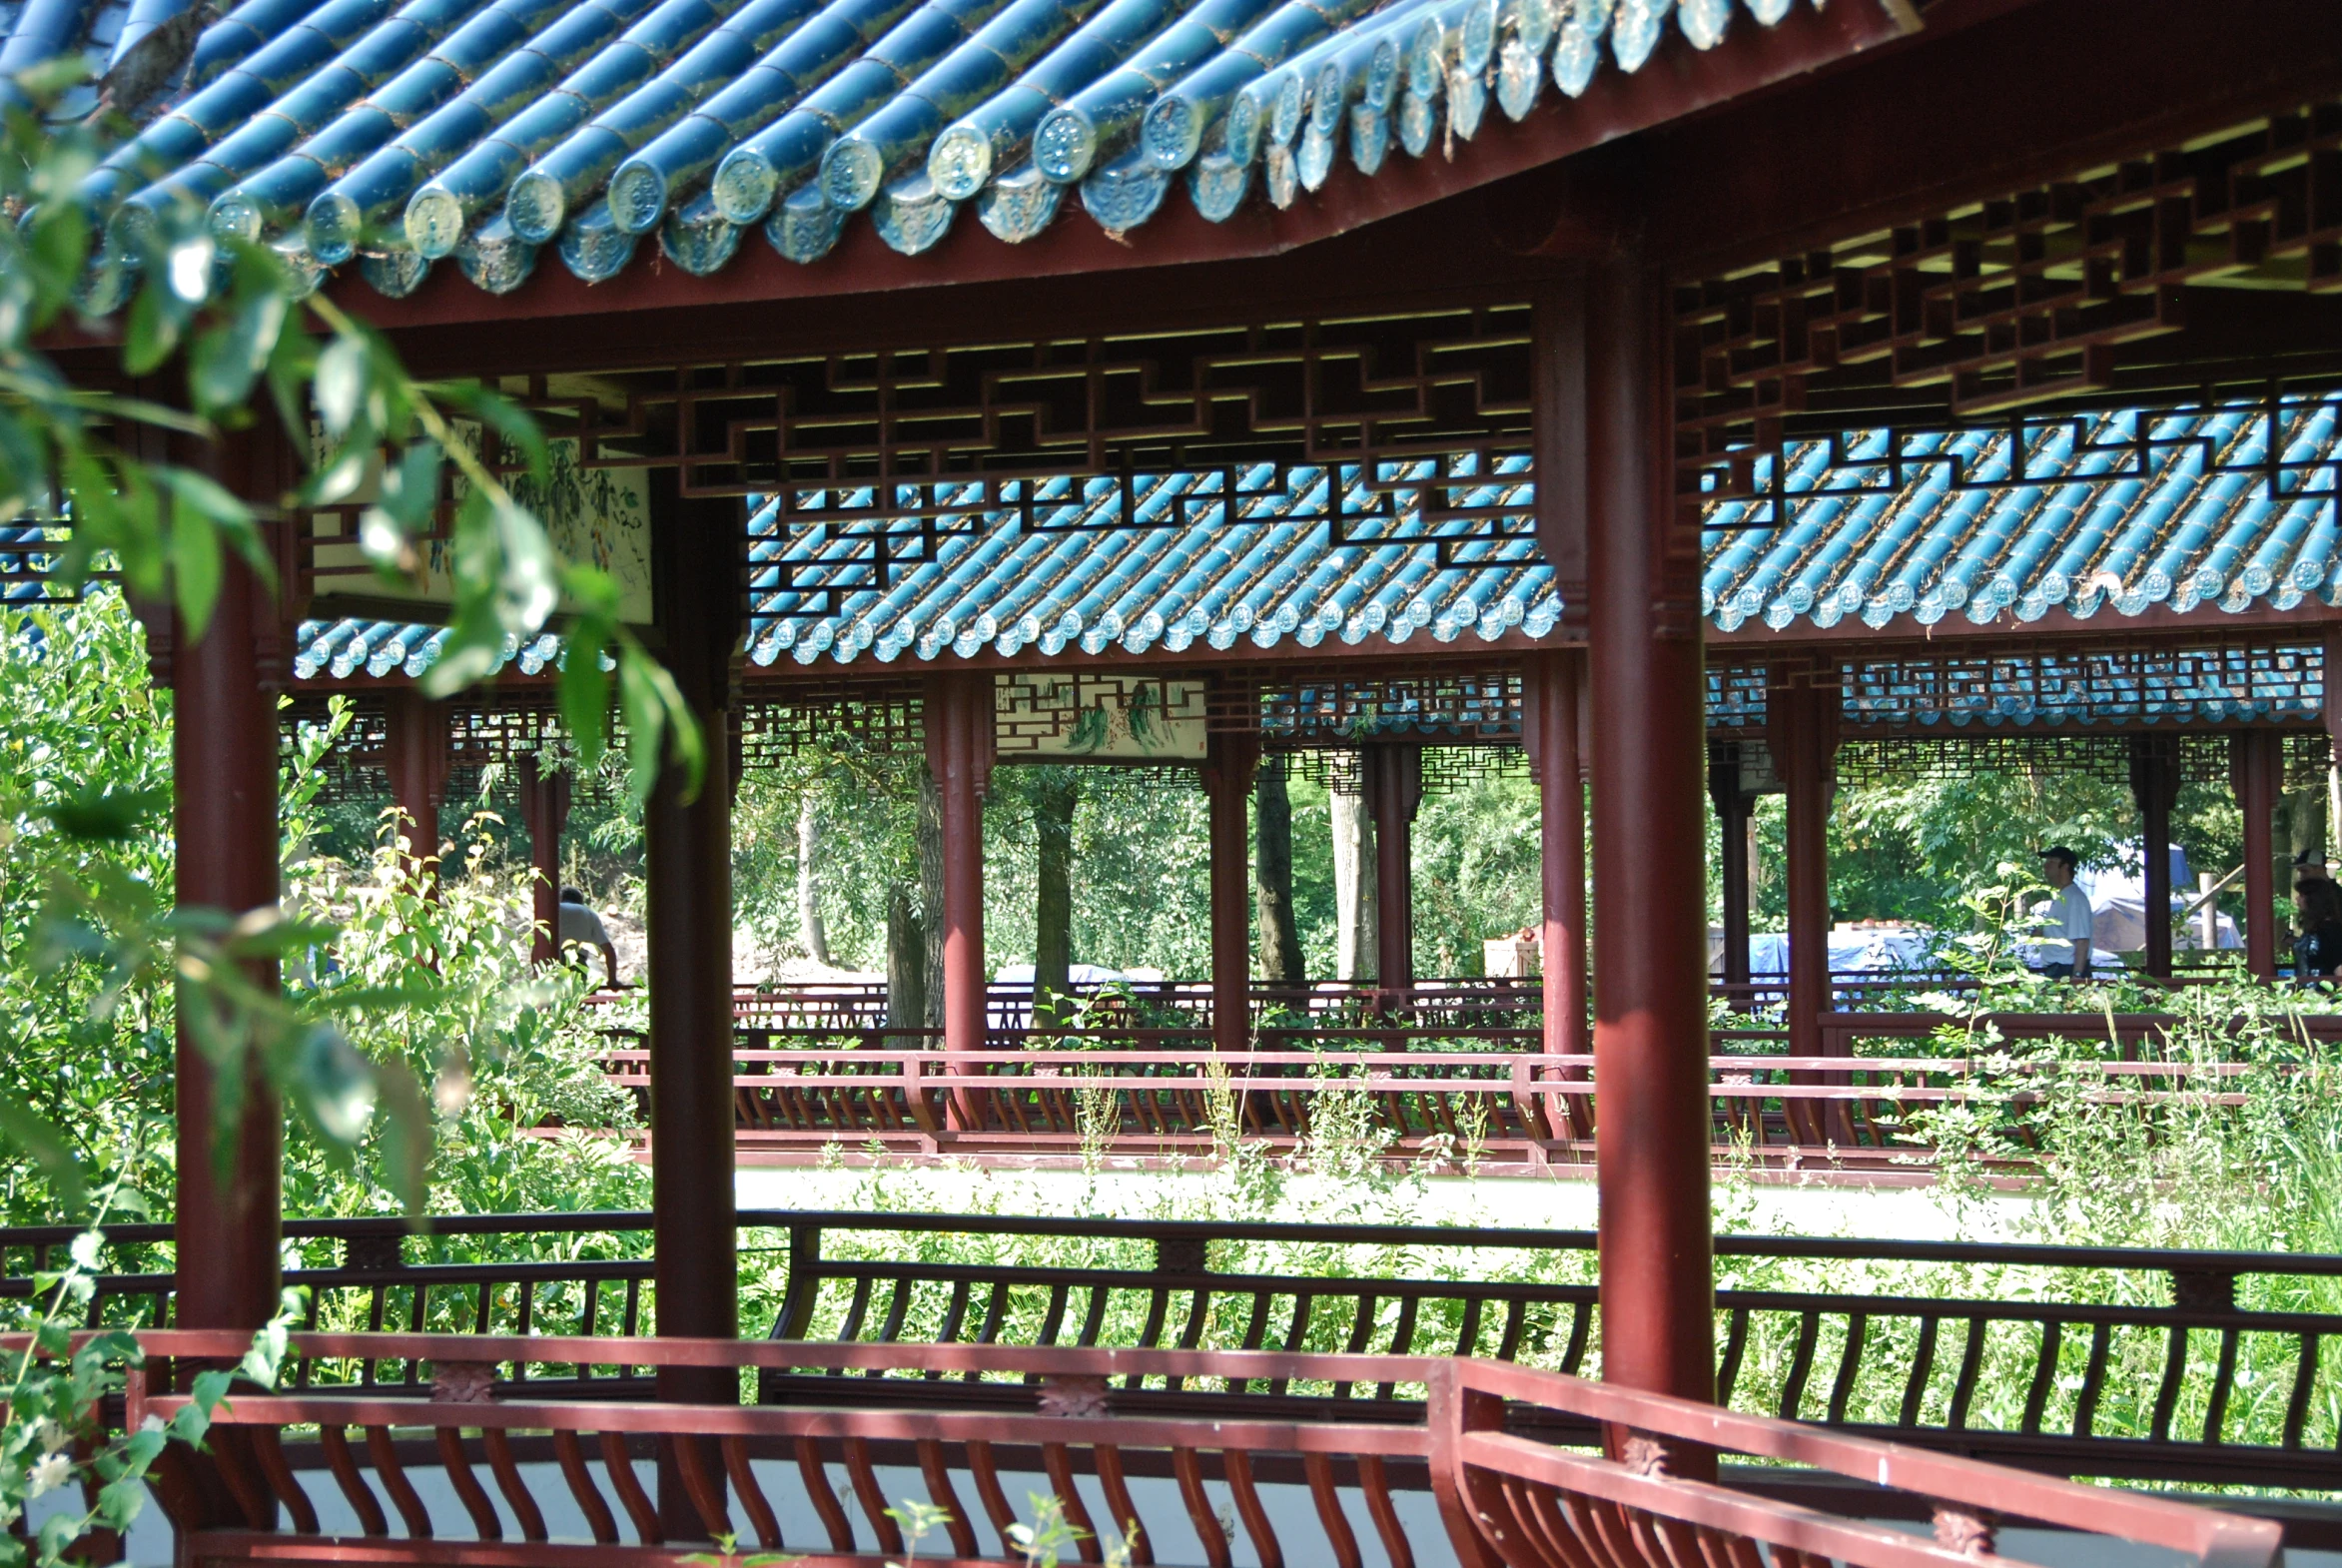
(873, 716)
(2203, 757)
(2309, 757)
(1331, 708)
(1446, 769)
(2283, 443)
(2006, 303)
(1420, 385)
(837, 543)
(2208, 684)
(2232, 683)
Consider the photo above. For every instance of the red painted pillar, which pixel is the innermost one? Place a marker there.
(544, 811)
(1647, 691)
(415, 735)
(1228, 765)
(2154, 785)
(224, 778)
(1549, 711)
(1802, 731)
(688, 839)
(959, 715)
(1732, 838)
(2256, 763)
(1394, 789)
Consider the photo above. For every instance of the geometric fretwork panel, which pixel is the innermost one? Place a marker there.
(2055, 685)
(2203, 757)
(838, 542)
(1308, 709)
(2210, 685)
(2285, 446)
(1905, 759)
(1446, 769)
(1323, 391)
(487, 734)
(862, 716)
(2003, 302)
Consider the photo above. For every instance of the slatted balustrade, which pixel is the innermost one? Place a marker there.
(1459, 1003)
(1160, 1436)
(1516, 1109)
(2124, 1362)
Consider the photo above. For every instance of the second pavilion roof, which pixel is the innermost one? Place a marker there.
(2210, 513)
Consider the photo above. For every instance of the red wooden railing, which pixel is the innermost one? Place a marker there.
(2206, 1367)
(1517, 1109)
(1491, 1443)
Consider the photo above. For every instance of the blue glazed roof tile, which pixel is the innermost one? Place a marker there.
(496, 131)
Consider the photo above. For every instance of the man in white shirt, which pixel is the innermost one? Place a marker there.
(2067, 915)
(578, 923)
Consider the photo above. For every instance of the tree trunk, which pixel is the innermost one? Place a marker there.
(1353, 886)
(906, 959)
(1054, 797)
(931, 895)
(810, 933)
(2305, 815)
(1272, 876)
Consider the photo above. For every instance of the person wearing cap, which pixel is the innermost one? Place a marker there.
(2067, 915)
(581, 927)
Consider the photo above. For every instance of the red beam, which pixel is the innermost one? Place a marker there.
(2022, 98)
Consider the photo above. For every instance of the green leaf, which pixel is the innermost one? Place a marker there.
(339, 386)
(56, 242)
(407, 1142)
(502, 415)
(585, 696)
(105, 814)
(195, 564)
(333, 1085)
(210, 1389)
(411, 487)
(227, 359)
(49, 1148)
(638, 702)
(151, 333)
(119, 1502)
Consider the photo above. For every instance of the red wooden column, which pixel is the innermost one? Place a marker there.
(2154, 784)
(1647, 691)
(960, 733)
(2256, 766)
(1394, 789)
(1549, 714)
(1800, 721)
(544, 811)
(224, 778)
(416, 738)
(1230, 763)
(688, 926)
(1732, 838)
